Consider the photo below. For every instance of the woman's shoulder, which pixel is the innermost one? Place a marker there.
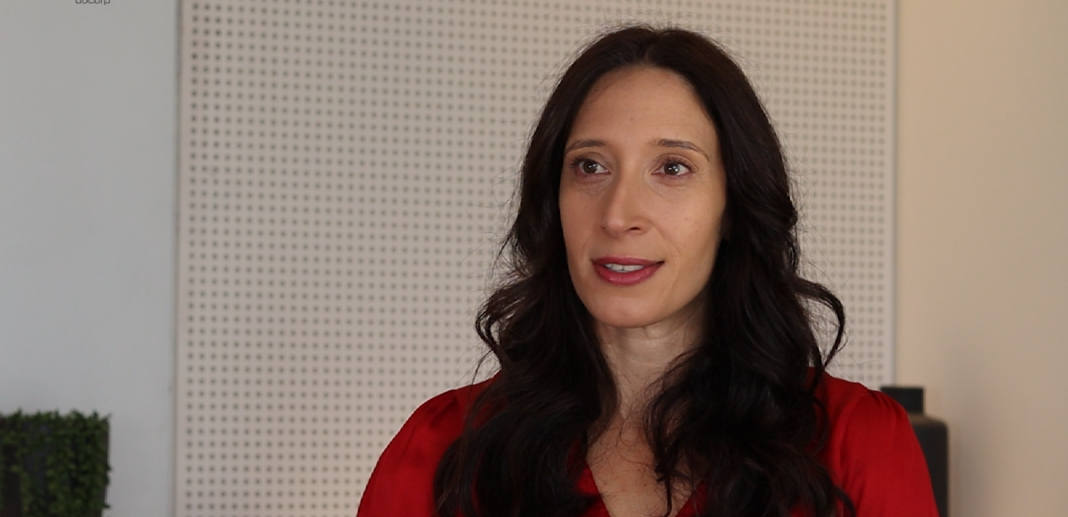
(861, 418)
(403, 479)
(842, 398)
(872, 451)
(437, 422)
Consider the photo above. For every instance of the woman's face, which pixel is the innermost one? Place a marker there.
(642, 194)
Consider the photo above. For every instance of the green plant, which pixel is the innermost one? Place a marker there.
(60, 463)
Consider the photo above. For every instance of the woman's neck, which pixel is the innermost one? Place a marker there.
(620, 458)
(638, 359)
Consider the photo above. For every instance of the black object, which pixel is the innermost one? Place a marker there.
(934, 440)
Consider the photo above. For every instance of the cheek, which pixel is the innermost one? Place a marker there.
(698, 237)
(571, 222)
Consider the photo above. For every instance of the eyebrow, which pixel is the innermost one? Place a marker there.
(583, 144)
(662, 142)
(681, 144)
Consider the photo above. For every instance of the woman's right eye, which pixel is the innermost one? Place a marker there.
(587, 166)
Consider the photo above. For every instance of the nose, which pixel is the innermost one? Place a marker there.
(623, 206)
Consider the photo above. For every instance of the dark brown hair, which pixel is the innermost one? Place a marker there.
(737, 414)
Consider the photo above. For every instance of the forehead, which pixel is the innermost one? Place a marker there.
(643, 102)
(640, 76)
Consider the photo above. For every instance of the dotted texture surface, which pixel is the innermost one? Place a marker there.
(345, 170)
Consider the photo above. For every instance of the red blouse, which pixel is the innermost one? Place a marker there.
(872, 454)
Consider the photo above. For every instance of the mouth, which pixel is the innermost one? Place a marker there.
(625, 271)
(621, 268)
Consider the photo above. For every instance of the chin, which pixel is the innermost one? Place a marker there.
(622, 318)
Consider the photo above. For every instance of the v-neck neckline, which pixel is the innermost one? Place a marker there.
(588, 486)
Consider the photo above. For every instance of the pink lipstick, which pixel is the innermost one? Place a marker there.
(624, 271)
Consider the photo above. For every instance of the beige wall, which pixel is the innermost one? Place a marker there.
(983, 243)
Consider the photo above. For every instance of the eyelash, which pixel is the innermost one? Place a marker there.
(578, 163)
(676, 161)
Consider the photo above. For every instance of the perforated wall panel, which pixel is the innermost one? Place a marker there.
(345, 168)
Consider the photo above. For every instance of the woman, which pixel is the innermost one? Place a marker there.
(656, 350)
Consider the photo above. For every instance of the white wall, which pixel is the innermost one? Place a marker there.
(983, 243)
(87, 189)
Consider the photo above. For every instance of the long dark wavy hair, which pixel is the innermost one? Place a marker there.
(736, 418)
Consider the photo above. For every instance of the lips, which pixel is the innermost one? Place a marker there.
(625, 271)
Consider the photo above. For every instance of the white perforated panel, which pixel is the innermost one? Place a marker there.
(345, 169)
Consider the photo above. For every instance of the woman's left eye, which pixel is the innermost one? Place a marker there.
(675, 168)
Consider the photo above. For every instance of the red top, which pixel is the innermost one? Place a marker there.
(872, 454)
